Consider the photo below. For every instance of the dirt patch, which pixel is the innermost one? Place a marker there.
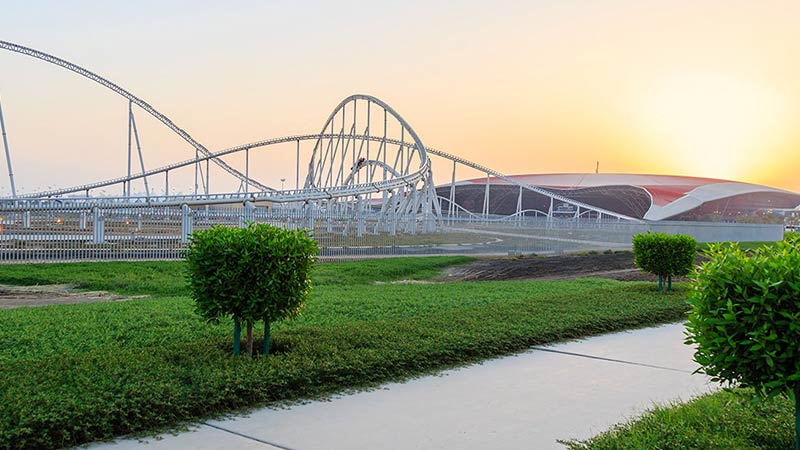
(52, 294)
(616, 266)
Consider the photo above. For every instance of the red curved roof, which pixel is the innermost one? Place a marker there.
(669, 193)
(662, 188)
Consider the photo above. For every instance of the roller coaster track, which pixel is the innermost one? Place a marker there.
(295, 195)
(316, 187)
(136, 100)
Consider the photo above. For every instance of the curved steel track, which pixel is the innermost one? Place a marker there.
(10, 46)
(330, 175)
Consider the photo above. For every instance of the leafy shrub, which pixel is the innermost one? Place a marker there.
(745, 317)
(664, 255)
(260, 272)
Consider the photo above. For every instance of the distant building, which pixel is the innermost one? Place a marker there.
(651, 197)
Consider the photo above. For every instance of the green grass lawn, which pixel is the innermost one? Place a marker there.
(71, 374)
(166, 278)
(727, 420)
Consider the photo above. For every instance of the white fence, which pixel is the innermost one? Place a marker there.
(161, 233)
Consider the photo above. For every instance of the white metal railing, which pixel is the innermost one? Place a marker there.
(110, 232)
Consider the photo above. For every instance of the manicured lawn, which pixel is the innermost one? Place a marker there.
(76, 373)
(166, 278)
(722, 420)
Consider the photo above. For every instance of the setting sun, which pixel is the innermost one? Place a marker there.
(714, 121)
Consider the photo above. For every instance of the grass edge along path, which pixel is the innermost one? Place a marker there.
(79, 373)
(727, 419)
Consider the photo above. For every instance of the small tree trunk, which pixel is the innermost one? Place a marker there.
(266, 337)
(237, 336)
(250, 338)
(669, 283)
(660, 283)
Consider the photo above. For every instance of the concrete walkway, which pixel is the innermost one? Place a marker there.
(525, 401)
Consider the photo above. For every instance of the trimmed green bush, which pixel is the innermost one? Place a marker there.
(251, 274)
(745, 318)
(664, 255)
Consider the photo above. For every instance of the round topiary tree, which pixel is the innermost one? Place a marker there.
(664, 255)
(256, 273)
(745, 319)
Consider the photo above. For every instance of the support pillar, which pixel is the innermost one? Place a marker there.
(297, 167)
(127, 190)
(196, 169)
(8, 154)
(486, 199)
(138, 149)
(452, 209)
(208, 175)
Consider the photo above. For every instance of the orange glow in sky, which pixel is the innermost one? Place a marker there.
(699, 88)
(712, 122)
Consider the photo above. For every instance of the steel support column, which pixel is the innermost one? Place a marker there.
(8, 154)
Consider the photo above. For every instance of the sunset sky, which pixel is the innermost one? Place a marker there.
(701, 88)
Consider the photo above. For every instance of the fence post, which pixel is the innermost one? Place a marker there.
(247, 214)
(309, 213)
(187, 223)
(98, 226)
(360, 226)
